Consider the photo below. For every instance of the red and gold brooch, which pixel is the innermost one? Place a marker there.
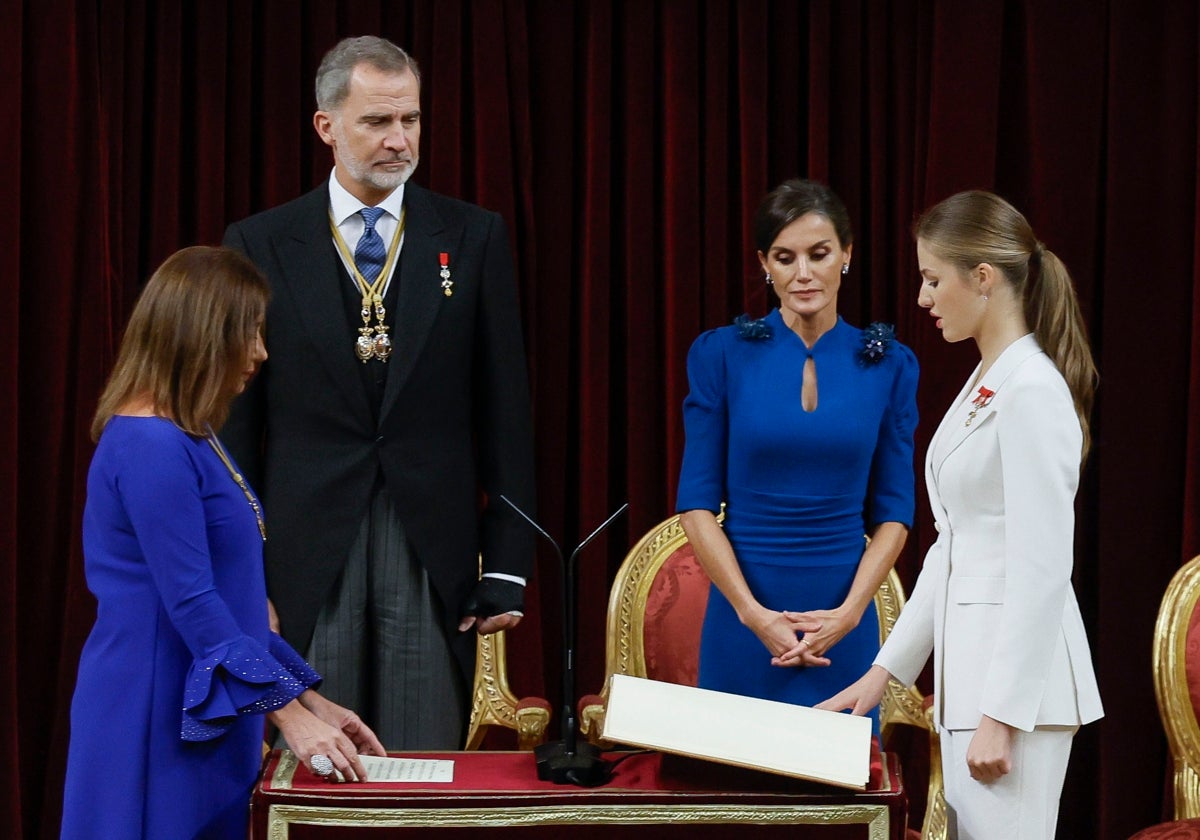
(981, 399)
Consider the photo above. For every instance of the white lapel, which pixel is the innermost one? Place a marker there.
(957, 432)
(947, 419)
(943, 428)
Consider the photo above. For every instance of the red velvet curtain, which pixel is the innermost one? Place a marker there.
(627, 145)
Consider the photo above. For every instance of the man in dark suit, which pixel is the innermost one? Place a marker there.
(392, 415)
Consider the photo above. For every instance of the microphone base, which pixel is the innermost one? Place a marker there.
(582, 767)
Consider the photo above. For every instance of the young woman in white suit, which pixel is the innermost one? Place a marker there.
(994, 602)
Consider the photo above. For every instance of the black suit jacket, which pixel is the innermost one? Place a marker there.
(454, 428)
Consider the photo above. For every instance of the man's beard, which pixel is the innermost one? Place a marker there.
(365, 173)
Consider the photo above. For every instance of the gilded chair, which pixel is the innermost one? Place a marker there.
(1176, 664)
(493, 704)
(655, 611)
(906, 705)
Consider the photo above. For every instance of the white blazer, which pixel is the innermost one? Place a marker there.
(994, 600)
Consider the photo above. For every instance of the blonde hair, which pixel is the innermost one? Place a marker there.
(188, 339)
(976, 227)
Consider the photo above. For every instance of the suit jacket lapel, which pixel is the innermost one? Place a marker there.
(420, 294)
(311, 274)
(944, 428)
(994, 380)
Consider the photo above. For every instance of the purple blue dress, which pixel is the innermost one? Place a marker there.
(800, 488)
(167, 717)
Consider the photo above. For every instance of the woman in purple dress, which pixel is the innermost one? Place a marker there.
(181, 665)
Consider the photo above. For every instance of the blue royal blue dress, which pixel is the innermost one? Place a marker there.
(166, 721)
(801, 488)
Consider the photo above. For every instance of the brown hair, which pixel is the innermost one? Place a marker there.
(188, 339)
(791, 200)
(976, 227)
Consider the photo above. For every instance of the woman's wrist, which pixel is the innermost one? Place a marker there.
(279, 717)
(851, 613)
(311, 700)
(753, 615)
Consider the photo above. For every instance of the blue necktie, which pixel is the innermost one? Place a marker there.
(370, 253)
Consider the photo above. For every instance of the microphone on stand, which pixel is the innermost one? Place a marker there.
(567, 761)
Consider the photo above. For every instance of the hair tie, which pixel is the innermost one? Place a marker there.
(1035, 257)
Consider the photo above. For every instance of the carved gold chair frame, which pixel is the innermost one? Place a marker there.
(494, 704)
(1171, 685)
(625, 654)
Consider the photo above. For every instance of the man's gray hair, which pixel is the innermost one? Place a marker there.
(333, 76)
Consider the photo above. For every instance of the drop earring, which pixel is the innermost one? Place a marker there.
(845, 269)
(768, 278)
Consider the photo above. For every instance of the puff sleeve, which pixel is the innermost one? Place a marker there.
(891, 497)
(706, 427)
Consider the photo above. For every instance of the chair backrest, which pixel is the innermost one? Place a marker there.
(1177, 682)
(656, 608)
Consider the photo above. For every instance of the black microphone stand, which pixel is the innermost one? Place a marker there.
(567, 761)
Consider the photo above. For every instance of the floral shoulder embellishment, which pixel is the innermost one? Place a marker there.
(876, 339)
(752, 329)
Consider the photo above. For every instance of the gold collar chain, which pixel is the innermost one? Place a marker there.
(372, 342)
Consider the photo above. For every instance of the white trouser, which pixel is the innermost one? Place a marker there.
(1022, 805)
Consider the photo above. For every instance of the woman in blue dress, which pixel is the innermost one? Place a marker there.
(181, 666)
(802, 425)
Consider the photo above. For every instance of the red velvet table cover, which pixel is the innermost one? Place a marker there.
(499, 792)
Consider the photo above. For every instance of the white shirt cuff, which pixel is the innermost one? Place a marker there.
(520, 581)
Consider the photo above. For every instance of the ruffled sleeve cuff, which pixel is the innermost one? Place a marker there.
(287, 656)
(241, 678)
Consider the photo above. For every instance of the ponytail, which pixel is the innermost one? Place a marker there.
(1052, 311)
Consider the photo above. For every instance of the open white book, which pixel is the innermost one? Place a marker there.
(797, 741)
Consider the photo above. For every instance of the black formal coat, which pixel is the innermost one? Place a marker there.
(451, 433)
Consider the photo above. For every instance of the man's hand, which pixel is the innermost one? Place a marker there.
(494, 604)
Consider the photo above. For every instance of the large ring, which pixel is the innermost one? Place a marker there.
(321, 765)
